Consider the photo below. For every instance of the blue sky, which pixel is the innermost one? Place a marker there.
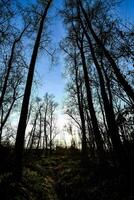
(51, 76)
(51, 79)
(126, 10)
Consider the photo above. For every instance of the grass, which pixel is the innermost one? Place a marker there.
(62, 177)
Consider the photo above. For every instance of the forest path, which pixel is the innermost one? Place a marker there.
(62, 177)
(50, 177)
(44, 174)
(55, 177)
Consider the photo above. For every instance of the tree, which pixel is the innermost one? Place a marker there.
(7, 14)
(19, 145)
(126, 86)
(43, 128)
(52, 106)
(75, 89)
(100, 55)
(79, 39)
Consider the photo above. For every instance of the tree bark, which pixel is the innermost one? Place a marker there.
(111, 122)
(96, 130)
(9, 66)
(19, 145)
(82, 117)
(127, 88)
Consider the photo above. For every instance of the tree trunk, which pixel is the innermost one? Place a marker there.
(96, 130)
(51, 126)
(82, 117)
(108, 107)
(45, 129)
(127, 88)
(19, 145)
(9, 66)
(40, 131)
(32, 134)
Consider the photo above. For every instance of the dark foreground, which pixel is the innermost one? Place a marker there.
(62, 177)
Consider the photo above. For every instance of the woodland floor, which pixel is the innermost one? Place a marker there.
(62, 177)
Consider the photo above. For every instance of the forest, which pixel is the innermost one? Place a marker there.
(79, 146)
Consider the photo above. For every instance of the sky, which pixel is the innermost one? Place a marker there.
(126, 10)
(50, 77)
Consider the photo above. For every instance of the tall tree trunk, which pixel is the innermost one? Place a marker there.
(5, 119)
(82, 117)
(45, 145)
(51, 127)
(127, 88)
(32, 134)
(108, 107)
(9, 66)
(40, 131)
(96, 130)
(19, 145)
(7, 74)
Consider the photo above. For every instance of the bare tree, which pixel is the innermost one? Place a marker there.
(19, 145)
